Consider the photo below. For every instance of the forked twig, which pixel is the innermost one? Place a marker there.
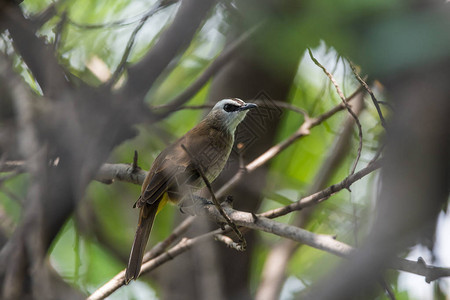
(121, 66)
(242, 242)
(349, 109)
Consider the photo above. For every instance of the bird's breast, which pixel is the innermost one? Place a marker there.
(214, 155)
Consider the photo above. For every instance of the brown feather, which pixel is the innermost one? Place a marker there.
(174, 166)
(146, 217)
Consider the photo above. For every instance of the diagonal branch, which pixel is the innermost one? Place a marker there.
(176, 38)
(372, 95)
(302, 131)
(118, 280)
(159, 5)
(323, 194)
(210, 71)
(249, 220)
(199, 168)
(37, 55)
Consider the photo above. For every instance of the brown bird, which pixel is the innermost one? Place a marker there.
(174, 177)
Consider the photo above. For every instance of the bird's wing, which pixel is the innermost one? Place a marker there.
(174, 166)
(160, 178)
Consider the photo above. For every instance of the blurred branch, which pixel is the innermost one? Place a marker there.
(12, 166)
(45, 16)
(258, 222)
(73, 131)
(174, 39)
(159, 5)
(210, 71)
(119, 280)
(106, 174)
(274, 271)
(322, 242)
(349, 109)
(302, 131)
(37, 55)
(126, 21)
(14, 276)
(125, 172)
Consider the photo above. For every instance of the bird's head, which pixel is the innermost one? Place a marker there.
(229, 113)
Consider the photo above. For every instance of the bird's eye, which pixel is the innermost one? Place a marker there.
(230, 107)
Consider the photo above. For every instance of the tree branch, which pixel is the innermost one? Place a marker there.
(323, 194)
(372, 95)
(121, 172)
(322, 242)
(319, 241)
(349, 109)
(210, 71)
(274, 272)
(302, 131)
(37, 55)
(177, 37)
(159, 5)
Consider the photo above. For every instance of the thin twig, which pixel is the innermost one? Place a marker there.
(135, 161)
(214, 199)
(115, 76)
(228, 242)
(372, 96)
(118, 280)
(212, 69)
(13, 166)
(377, 154)
(387, 288)
(302, 131)
(318, 241)
(323, 194)
(45, 16)
(182, 246)
(59, 31)
(122, 22)
(349, 109)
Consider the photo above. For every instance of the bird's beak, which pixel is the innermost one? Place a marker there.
(248, 106)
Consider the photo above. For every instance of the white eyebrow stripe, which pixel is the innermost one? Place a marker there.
(238, 101)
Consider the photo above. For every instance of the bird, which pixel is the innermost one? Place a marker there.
(174, 175)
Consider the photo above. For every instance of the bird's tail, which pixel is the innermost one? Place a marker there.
(146, 216)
